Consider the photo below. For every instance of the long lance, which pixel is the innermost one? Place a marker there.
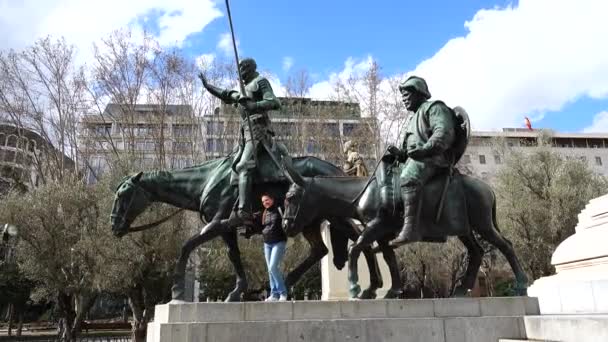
(238, 70)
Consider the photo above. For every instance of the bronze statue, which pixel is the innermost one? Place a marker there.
(256, 134)
(439, 200)
(431, 146)
(206, 189)
(355, 165)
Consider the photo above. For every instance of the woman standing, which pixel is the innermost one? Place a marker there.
(275, 242)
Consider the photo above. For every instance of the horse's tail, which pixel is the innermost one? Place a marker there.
(494, 220)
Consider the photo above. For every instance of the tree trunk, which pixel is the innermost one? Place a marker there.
(140, 324)
(20, 324)
(139, 331)
(66, 322)
(11, 314)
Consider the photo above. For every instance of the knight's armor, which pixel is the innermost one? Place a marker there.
(257, 138)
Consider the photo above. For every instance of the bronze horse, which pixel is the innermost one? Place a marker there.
(206, 189)
(470, 207)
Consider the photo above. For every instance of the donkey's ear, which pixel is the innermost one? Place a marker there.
(137, 177)
(292, 174)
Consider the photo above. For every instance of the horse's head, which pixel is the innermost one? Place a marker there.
(130, 200)
(299, 212)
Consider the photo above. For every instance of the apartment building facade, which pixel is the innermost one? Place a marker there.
(172, 137)
(483, 159)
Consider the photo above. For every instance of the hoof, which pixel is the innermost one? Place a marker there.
(354, 291)
(233, 297)
(460, 292)
(392, 294)
(521, 290)
(368, 294)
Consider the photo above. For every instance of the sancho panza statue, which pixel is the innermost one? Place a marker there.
(256, 133)
(433, 142)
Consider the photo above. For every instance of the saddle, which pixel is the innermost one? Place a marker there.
(436, 221)
(266, 170)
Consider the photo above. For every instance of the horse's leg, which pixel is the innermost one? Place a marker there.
(210, 231)
(506, 248)
(234, 254)
(318, 250)
(370, 234)
(475, 254)
(388, 253)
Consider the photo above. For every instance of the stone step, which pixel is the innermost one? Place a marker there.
(567, 328)
(331, 310)
(445, 329)
(525, 340)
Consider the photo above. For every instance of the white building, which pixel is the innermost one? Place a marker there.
(482, 158)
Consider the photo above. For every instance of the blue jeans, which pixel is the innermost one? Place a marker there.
(274, 253)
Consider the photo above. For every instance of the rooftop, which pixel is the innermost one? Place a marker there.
(526, 133)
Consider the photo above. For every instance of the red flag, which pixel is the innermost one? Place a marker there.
(528, 124)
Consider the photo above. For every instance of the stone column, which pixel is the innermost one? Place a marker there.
(580, 284)
(334, 282)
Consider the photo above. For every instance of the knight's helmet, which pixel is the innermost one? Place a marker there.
(418, 84)
(247, 66)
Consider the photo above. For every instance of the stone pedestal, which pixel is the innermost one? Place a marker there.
(580, 285)
(397, 320)
(334, 282)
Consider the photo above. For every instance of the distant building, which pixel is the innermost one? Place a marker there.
(305, 126)
(161, 137)
(23, 152)
(172, 137)
(481, 157)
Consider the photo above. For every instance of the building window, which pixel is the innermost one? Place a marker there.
(182, 146)
(598, 161)
(183, 130)
(210, 145)
(497, 159)
(466, 159)
(332, 129)
(12, 141)
(348, 128)
(482, 159)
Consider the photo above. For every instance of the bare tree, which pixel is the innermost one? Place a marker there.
(42, 90)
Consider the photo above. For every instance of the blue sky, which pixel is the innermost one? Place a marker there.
(501, 60)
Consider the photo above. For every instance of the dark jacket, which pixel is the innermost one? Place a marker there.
(272, 229)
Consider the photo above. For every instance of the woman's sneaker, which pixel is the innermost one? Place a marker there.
(283, 298)
(271, 299)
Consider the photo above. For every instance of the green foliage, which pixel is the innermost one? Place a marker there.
(504, 289)
(540, 194)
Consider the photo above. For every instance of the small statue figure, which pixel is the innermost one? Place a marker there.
(354, 166)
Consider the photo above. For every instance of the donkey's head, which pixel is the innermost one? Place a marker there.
(130, 200)
(299, 209)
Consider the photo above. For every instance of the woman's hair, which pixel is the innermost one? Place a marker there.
(267, 194)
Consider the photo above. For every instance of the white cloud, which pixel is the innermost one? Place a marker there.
(205, 60)
(287, 63)
(530, 59)
(524, 60)
(225, 45)
(82, 22)
(600, 123)
(325, 89)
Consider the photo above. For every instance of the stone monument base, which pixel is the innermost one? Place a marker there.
(580, 285)
(420, 320)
